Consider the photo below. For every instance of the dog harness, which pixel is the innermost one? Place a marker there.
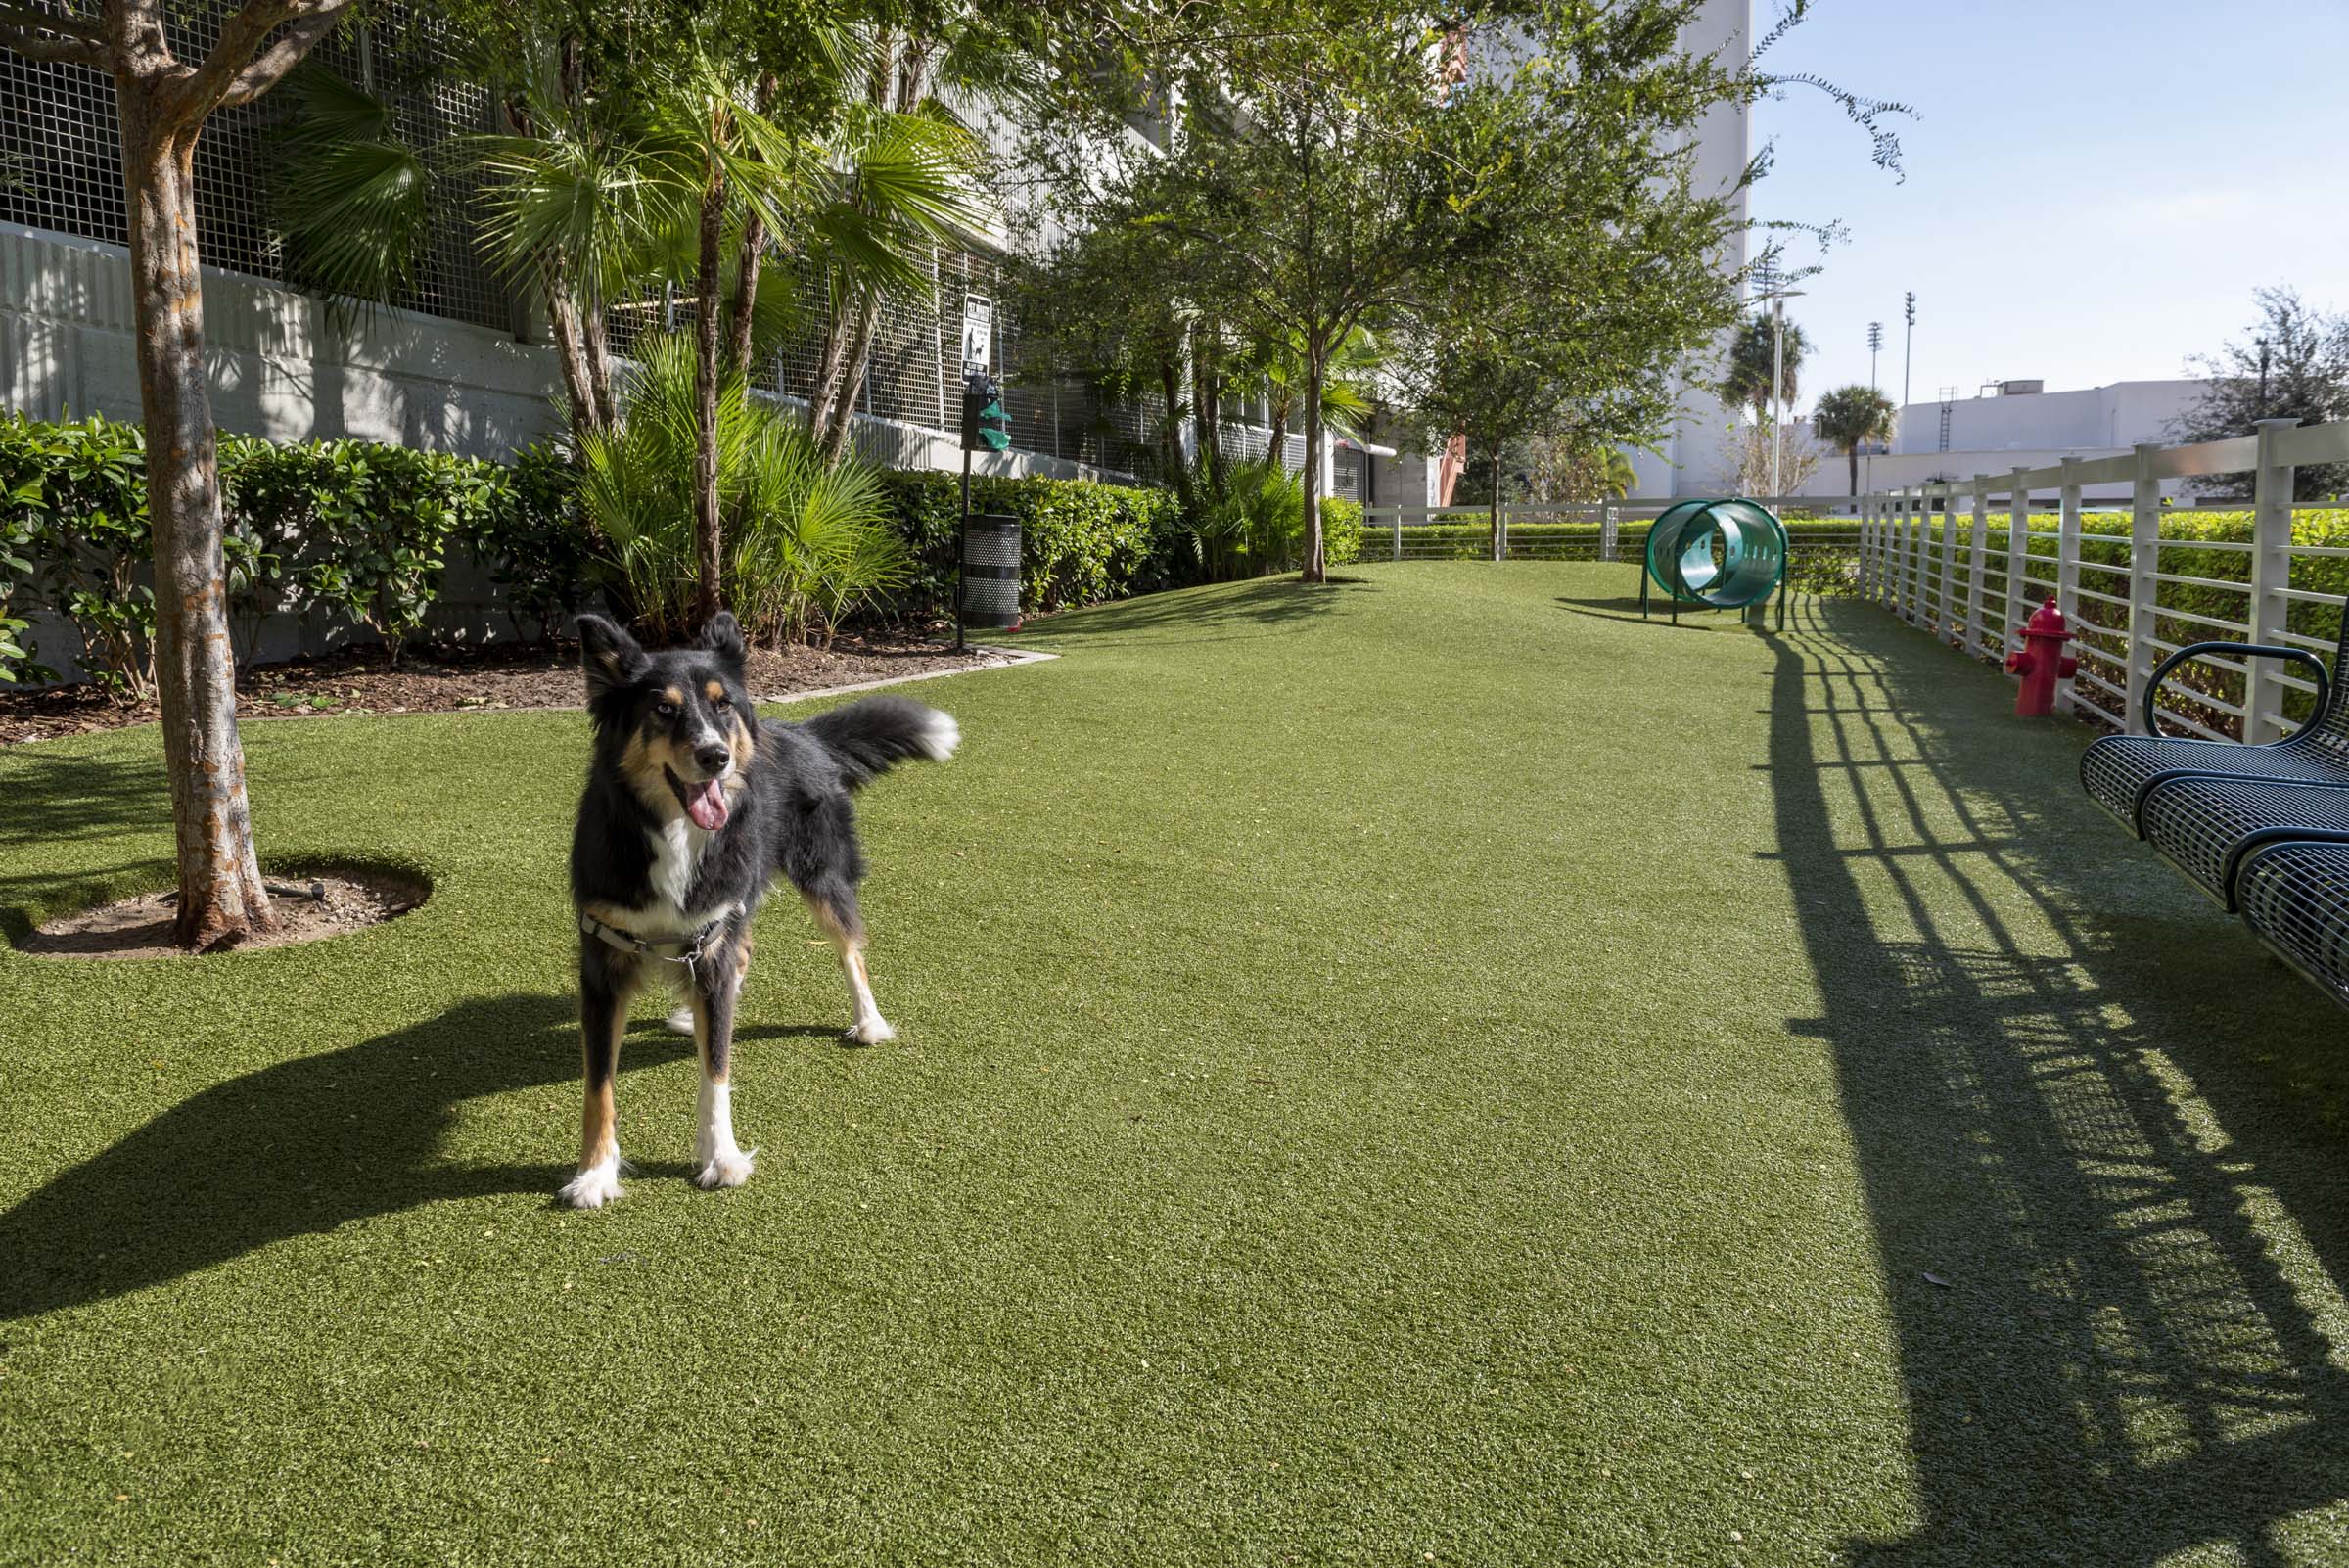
(688, 953)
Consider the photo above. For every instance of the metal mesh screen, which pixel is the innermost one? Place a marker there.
(61, 169)
(61, 145)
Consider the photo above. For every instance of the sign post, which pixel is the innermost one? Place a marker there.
(985, 426)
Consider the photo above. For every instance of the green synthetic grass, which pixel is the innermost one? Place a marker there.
(1430, 1068)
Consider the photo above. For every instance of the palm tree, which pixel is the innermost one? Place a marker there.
(903, 173)
(1752, 352)
(1849, 416)
(598, 199)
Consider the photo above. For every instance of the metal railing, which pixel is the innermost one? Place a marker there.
(1974, 582)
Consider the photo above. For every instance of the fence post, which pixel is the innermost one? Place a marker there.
(1867, 582)
(1977, 633)
(1895, 545)
(1398, 534)
(2067, 564)
(2144, 559)
(2271, 573)
(1606, 531)
(2018, 565)
(1948, 561)
(1913, 584)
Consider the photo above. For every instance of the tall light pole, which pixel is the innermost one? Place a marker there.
(1778, 379)
(1908, 344)
(1875, 341)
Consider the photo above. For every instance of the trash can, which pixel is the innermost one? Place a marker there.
(990, 572)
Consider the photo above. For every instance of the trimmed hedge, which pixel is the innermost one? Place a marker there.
(2104, 555)
(1080, 542)
(353, 529)
(362, 531)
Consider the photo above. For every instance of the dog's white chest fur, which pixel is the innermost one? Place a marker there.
(677, 846)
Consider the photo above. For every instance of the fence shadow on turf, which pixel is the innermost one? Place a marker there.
(2084, 1104)
(1258, 608)
(300, 1146)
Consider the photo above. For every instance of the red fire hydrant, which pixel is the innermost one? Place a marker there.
(2042, 662)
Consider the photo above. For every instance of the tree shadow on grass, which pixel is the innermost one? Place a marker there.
(2097, 1132)
(302, 1146)
(60, 799)
(1263, 606)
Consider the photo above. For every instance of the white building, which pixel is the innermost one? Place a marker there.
(2011, 425)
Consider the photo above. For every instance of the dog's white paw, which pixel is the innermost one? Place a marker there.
(728, 1169)
(592, 1187)
(869, 1032)
(680, 1022)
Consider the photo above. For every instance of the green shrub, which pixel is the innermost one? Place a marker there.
(356, 527)
(1080, 542)
(76, 533)
(807, 545)
(535, 543)
(2104, 551)
(1340, 531)
(353, 527)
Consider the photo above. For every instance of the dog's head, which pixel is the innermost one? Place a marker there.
(679, 719)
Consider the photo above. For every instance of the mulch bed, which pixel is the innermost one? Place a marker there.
(307, 906)
(360, 680)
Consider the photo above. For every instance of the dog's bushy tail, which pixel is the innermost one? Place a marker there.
(870, 737)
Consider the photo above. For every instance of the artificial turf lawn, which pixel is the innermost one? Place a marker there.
(1426, 1069)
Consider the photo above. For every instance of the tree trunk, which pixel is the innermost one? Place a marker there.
(745, 297)
(855, 362)
(745, 275)
(1315, 567)
(1170, 385)
(1492, 505)
(221, 900)
(1852, 454)
(709, 533)
(571, 354)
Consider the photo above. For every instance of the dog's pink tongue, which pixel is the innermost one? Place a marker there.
(707, 806)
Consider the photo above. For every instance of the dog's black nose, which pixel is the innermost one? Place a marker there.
(714, 758)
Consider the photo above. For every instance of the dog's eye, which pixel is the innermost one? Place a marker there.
(721, 703)
(666, 709)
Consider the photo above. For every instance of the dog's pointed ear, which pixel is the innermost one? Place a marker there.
(722, 636)
(611, 656)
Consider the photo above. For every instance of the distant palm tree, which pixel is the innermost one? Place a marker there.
(1751, 355)
(1848, 417)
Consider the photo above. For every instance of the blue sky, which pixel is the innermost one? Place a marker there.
(2094, 187)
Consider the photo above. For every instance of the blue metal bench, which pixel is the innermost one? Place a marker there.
(2120, 771)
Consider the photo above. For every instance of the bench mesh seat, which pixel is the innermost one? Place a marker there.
(2296, 898)
(2117, 770)
(2207, 826)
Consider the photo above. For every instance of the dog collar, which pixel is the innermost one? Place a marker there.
(687, 952)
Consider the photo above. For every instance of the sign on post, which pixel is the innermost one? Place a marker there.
(978, 332)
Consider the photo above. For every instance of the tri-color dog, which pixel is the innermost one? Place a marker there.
(693, 807)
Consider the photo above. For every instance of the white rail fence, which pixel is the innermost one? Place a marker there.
(1974, 579)
(1604, 531)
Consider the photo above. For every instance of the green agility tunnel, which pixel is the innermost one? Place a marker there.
(1722, 554)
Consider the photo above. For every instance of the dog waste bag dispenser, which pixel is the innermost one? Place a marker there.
(990, 572)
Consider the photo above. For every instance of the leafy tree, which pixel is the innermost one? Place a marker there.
(2292, 363)
(161, 105)
(1599, 271)
(1848, 417)
(1752, 354)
